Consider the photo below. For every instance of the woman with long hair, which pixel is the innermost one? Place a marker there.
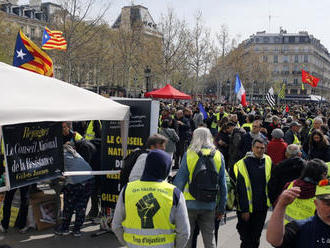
(202, 212)
(319, 146)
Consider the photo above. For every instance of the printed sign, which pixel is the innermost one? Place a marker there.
(140, 128)
(33, 152)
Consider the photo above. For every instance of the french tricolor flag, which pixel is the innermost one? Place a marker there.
(240, 91)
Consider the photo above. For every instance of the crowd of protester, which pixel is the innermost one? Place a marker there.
(270, 157)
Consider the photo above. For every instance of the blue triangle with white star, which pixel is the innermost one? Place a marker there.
(21, 54)
(45, 37)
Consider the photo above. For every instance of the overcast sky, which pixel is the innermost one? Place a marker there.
(243, 17)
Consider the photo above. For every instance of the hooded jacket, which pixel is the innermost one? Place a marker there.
(157, 168)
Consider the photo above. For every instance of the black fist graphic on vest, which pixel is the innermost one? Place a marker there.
(147, 207)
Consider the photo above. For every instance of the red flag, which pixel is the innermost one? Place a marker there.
(287, 108)
(309, 79)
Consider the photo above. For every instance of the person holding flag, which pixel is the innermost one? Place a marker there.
(29, 56)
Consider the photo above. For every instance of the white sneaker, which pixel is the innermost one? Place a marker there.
(24, 230)
(2, 229)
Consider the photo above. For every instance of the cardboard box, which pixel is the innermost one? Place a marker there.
(44, 210)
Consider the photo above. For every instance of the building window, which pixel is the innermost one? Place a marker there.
(285, 59)
(305, 58)
(264, 58)
(302, 39)
(275, 59)
(257, 39)
(296, 59)
(286, 39)
(295, 81)
(266, 39)
(291, 39)
(33, 32)
(294, 91)
(277, 40)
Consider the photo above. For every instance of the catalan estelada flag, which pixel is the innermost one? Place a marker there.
(53, 40)
(29, 56)
(309, 79)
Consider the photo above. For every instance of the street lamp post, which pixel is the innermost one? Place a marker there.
(147, 73)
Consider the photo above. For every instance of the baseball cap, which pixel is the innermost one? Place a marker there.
(294, 124)
(323, 190)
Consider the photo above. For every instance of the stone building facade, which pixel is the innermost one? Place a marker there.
(287, 54)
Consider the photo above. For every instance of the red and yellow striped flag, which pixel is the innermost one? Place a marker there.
(53, 40)
(29, 56)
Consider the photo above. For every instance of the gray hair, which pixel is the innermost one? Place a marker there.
(319, 119)
(292, 150)
(202, 137)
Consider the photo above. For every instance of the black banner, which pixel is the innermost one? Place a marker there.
(34, 152)
(112, 154)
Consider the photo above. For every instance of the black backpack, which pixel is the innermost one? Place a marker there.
(204, 185)
(128, 164)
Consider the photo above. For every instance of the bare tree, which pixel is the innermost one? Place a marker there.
(8, 34)
(198, 49)
(223, 39)
(174, 43)
(80, 32)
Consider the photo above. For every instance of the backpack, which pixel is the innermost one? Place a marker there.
(204, 185)
(86, 149)
(128, 164)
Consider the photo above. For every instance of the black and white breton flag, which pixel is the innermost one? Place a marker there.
(270, 97)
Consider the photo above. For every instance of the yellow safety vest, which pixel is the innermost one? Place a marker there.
(241, 168)
(141, 199)
(328, 164)
(2, 150)
(296, 141)
(192, 158)
(299, 209)
(90, 134)
(215, 124)
(249, 125)
(77, 136)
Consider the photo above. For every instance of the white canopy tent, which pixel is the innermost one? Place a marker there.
(29, 97)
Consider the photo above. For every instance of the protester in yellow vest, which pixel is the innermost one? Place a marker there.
(303, 206)
(307, 233)
(151, 212)
(252, 175)
(93, 130)
(292, 135)
(201, 212)
(68, 134)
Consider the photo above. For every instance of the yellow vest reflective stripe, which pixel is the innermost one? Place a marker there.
(241, 168)
(296, 141)
(192, 158)
(249, 125)
(155, 231)
(90, 134)
(299, 209)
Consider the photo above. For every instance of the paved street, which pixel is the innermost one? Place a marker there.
(228, 237)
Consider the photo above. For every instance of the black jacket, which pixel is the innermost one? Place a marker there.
(257, 175)
(286, 171)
